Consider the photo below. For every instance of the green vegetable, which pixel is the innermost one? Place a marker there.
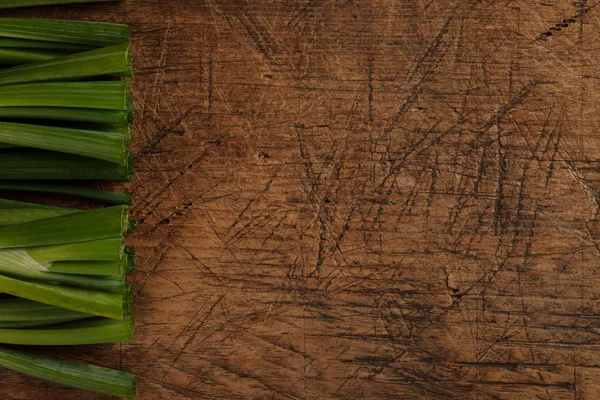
(96, 250)
(80, 376)
(10, 216)
(114, 60)
(21, 313)
(111, 95)
(65, 267)
(63, 31)
(43, 187)
(111, 305)
(46, 165)
(106, 146)
(107, 257)
(34, 323)
(18, 263)
(14, 204)
(40, 44)
(99, 268)
(8, 146)
(72, 333)
(83, 226)
(91, 115)
(12, 56)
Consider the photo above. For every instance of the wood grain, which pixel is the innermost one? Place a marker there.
(345, 199)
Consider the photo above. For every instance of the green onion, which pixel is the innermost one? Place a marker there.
(39, 44)
(63, 31)
(11, 56)
(46, 165)
(94, 144)
(14, 204)
(91, 115)
(107, 257)
(111, 305)
(80, 376)
(34, 323)
(99, 268)
(18, 216)
(130, 110)
(113, 60)
(95, 250)
(18, 263)
(72, 333)
(104, 223)
(8, 146)
(43, 187)
(21, 313)
(131, 258)
(111, 95)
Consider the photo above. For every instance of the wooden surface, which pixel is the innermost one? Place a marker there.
(360, 199)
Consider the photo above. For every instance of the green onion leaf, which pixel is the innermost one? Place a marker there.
(95, 250)
(91, 115)
(18, 216)
(35, 323)
(111, 95)
(83, 226)
(72, 333)
(11, 56)
(113, 60)
(14, 204)
(18, 263)
(64, 31)
(46, 165)
(111, 305)
(106, 146)
(43, 187)
(15, 313)
(80, 376)
(39, 44)
(99, 268)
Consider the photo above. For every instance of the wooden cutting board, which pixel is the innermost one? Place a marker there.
(390, 199)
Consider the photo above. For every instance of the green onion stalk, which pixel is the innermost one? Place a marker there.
(80, 376)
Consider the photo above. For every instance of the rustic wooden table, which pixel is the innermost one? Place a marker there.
(345, 199)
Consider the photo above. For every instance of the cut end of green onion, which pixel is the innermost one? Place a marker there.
(128, 73)
(131, 259)
(132, 387)
(130, 110)
(127, 295)
(130, 223)
(129, 165)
